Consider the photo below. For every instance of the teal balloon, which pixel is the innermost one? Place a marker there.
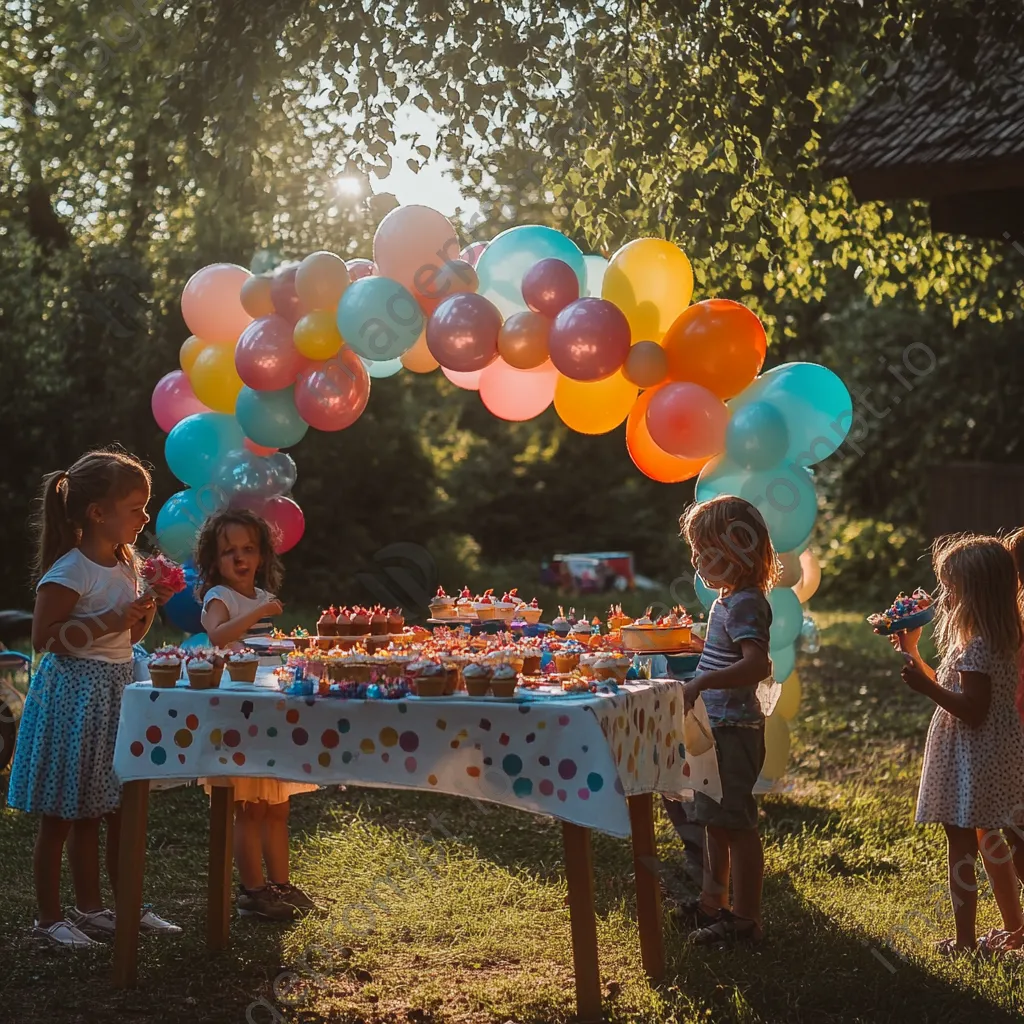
(783, 662)
(784, 496)
(787, 617)
(814, 403)
(705, 594)
(596, 268)
(197, 445)
(379, 319)
(757, 436)
(510, 256)
(179, 520)
(269, 418)
(379, 369)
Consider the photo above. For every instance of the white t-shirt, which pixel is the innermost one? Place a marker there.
(238, 604)
(100, 589)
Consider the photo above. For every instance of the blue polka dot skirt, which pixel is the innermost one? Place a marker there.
(64, 754)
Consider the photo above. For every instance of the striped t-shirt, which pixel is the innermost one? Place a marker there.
(742, 615)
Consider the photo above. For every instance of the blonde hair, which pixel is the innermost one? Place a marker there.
(735, 529)
(1014, 543)
(98, 476)
(977, 594)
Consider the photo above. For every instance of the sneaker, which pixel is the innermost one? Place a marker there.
(153, 924)
(295, 897)
(97, 924)
(63, 934)
(264, 902)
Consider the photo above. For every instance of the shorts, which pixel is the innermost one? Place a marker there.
(740, 750)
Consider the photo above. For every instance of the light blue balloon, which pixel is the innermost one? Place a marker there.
(757, 436)
(179, 520)
(787, 617)
(705, 594)
(379, 369)
(596, 267)
(813, 401)
(783, 662)
(510, 256)
(269, 418)
(379, 319)
(784, 496)
(283, 472)
(197, 445)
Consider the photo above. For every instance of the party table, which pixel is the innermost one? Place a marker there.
(592, 761)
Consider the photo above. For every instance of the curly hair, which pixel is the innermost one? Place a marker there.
(207, 557)
(734, 530)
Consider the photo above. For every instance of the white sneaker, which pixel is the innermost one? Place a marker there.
(98, 924)
(64, 934)
(153, 924)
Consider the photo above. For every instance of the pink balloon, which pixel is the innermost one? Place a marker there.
(173, 400)
(687, 420)
(212, 302)
(472, 253)
(286, 521)
(512, 394)
(283, 295)
(258, 449)
(589, 339)
(462, 333)
(266, 357)
(412, 244)
(549, 286)
(360, 268)
(333, 395)
(466, 381)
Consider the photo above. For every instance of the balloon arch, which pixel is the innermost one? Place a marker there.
(526, 320)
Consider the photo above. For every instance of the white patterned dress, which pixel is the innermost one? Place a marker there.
(973, 776)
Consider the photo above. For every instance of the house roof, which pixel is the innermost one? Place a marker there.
(935, 134)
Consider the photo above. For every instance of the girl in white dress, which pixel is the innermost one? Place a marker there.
(234, 553)
(972, 781)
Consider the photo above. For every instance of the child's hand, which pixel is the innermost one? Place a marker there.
(691, 691)
(915, 678)
(161, 593)
(272, 608)
(136, 611)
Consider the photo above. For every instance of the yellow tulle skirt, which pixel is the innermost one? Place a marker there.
(250, 791)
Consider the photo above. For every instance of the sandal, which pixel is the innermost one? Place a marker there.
(727, 931)
(692, 915)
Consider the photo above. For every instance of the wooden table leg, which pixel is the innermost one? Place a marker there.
(579, 873)
(222, 820)
(128, 897)
(648, 887)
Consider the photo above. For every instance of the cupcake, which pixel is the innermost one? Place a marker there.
(611, 666)
(378, 621)
(560, 624)
(360, 622)
(242, 666)
(505, 608)
(616, 618)
(344, 622)
(442, 606)
(531, 661)
(428, 677)
(484, 607)
(453, 673)
(327, 624)
(586, 664)
(359, 667)
(531, 612)
(300, 638)
(568, 657)
(464, 608)
(165, 668)
(503, 681)
(581, 631)
(335, 664)
(200, 674)
(218, 659)
(477, 678)
(396, 620)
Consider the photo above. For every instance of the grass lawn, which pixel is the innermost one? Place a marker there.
(470, 924)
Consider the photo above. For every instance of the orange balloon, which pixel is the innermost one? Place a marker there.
(717, 343)
(255, 295)
(647, 456)
(189, 352)
(418, 358)
(523, 340)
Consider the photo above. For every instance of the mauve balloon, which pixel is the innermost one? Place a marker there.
(462, 333)
(266, 357)
(589, 339)
(334, 394)
(283, 295)
(549, 286)
(358, 268)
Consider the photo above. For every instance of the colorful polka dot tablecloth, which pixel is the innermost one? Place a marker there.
(575, 759)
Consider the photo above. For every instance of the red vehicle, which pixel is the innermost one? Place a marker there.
(590, 572)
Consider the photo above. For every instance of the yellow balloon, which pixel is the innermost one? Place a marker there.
(776, 746)
(810, 576)
(789, 700)
(214, 378)
(791, 569)
(651, 281)
(189, 352)
(594, 407)
(316, 335)
(418, 358)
